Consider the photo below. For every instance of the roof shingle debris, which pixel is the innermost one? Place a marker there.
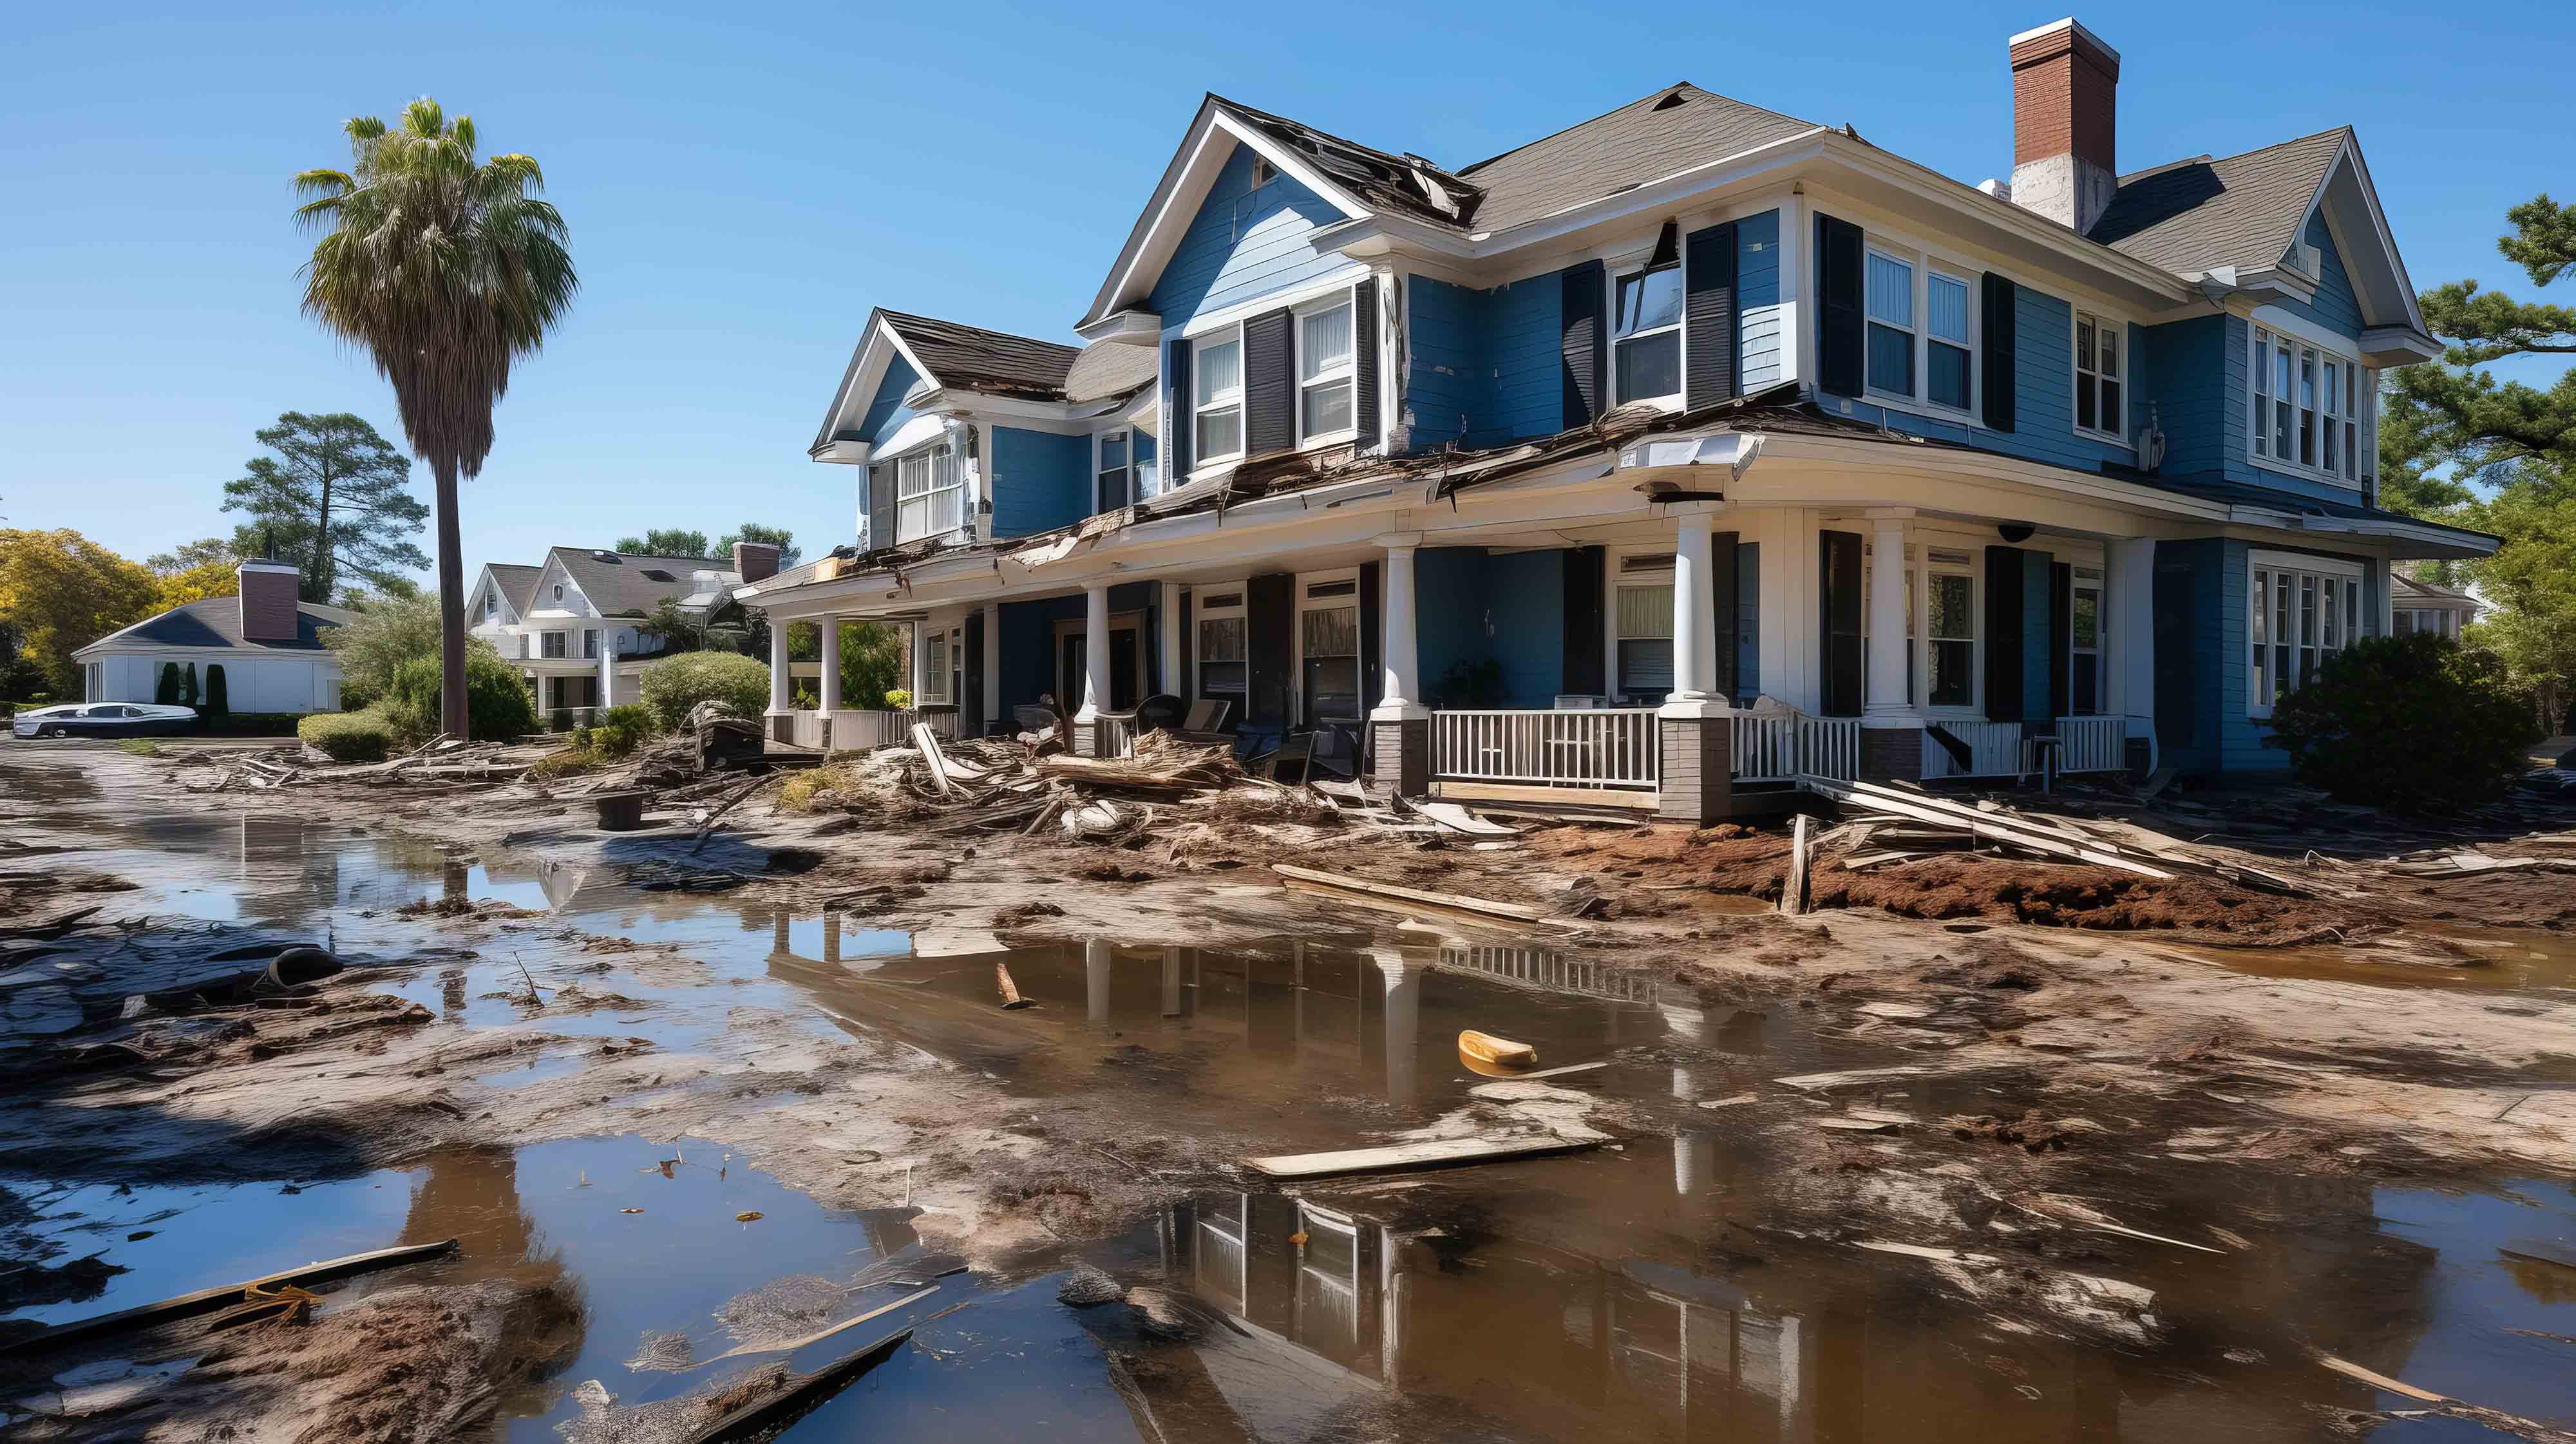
(992, 363)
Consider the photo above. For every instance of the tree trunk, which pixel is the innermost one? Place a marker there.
(322, 546)
(451, 606)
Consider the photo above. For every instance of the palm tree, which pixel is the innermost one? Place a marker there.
(446, 269)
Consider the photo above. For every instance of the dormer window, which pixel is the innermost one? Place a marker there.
(558, 591)
(929, 493)
(2097, 377)
(1646, 335)
(1217, 376)
(1324, 371)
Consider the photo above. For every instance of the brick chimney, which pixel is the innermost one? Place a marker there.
(267, 601)
(754, 561)
(2066, 93)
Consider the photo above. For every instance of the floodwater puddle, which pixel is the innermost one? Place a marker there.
(1648, 1290)
(2494, 960)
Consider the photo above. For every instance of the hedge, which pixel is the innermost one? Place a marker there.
(497, 705)
(2418, 723)
(675, 684)
(348, 736)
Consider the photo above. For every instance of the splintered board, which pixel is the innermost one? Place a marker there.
(1437, 1153)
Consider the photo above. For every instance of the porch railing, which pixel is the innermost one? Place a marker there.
(1994, 750)
(1829, 747)
(855, 728)
(1595, 747)
(1787, 746)
(1117, 734)
(2092, 744)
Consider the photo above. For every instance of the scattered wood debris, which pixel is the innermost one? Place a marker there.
(266, 1288)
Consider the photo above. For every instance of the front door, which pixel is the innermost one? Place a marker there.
(1126, 662)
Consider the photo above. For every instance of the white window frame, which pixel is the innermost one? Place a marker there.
(1345, 375)
(554, 645)
(938, 656)
(1230, 334)
(1923, 262)
(2116, 431)
(1617, 272)
(1614, 574)
(2353, 409)
(1932, 564)
(936, 463)
(1306, 581)
(1200, 616)
(2302, 582)
(1100, 469)
(590, 644)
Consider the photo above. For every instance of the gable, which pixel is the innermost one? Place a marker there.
(1244, 242)
(886, 410)
(2336, 307)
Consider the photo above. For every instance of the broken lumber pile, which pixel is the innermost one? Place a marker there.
(1889, 826)
(442, 761)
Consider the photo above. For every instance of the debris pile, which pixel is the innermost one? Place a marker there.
(443, 763)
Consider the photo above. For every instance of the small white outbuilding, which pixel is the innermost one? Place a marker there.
(267, 644)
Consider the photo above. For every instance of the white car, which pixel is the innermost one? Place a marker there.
(105, 719)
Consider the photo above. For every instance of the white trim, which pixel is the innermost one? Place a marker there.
(2329, 616)
(1268, 301)
(2124, 357)
(2355, 406)
(1634, 264)
(1200, 460)
(1347, 373)
(1922, 261)
(2307, 562)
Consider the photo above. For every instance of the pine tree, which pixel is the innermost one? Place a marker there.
(334, 497)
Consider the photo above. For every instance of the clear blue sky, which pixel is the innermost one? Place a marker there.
(744, 181)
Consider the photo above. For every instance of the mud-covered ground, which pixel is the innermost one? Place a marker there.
(2053, 1064)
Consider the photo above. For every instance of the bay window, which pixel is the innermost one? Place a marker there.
(1216, 369)
(1646, 335)
(1221, 657)
(1324, 376)
(2300, 613)
(2097, 377)
(929, 493)
(2311, 407)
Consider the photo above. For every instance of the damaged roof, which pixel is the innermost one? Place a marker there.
(2203, 214)
(992, 363)
(1110, 371)
(1675, 129)
(623, 585)
(1383, 179)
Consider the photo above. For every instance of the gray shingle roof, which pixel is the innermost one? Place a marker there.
(517, 582)
(2201, 214)
(620, 585)
(2406, 589)
(1110, 369)
(216, 622)
(994, 363)
(1383, 179)
(1672, 130)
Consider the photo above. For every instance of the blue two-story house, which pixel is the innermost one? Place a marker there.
(1678, 454)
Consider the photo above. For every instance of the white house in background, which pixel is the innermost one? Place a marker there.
(268, 646)
(2428, 607)
(577, 624)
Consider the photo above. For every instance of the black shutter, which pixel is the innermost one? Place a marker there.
(1269, 383)
(1583, 342)
(2061, 636)
(1998, 337)
(2003, 633)
(1842, 333)
(1708, 326)
(1177, 416)
(880, 505)
(1270, 619)
(1722, 582)
(1839, 557)
(1364, 361)
(1585, 675)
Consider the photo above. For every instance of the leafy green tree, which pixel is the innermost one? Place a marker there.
(872, 659)
(665, 541)
(59, 592)
(374, 647)
(789, 554)
(447, 270)
(188, 556)
(497, 703)
(333, 497)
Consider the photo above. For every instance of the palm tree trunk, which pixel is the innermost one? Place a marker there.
(451, 606)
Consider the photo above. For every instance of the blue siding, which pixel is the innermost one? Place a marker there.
(2182, 373)
(1524, 361)
(1508, 609)
(1040, 480)
(1443, 389)
(1757, 300)
(886, 411)
(1244, 243)
(2037, 568)
(2043, 395)
(2336, 307)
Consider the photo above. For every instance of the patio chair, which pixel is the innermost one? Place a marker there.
(1295, 753)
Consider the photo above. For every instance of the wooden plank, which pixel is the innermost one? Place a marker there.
(928, 742)
(809, 1391)
(1821, 1082)
(792, 1345)
(1458, 819)
(207, 1301)
(1518, 912)
(1437, 1153)
(2543, 1250)
(1984, 825)
(1793, 888)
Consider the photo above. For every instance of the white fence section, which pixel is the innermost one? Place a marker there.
(1603, 747)
(1764, 749)
(1994, 750)
(1117, 735)
(2092, 744)
(853, 729)
(1541, 968)
(1829, 747)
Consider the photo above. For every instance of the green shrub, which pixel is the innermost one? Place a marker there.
(2417, 723)
(675, 684)
(348, 736)
(218, 698)
(497, 704)
(620, 730)
(898, 698)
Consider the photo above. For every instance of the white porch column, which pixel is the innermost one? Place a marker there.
(828, 685)
(1095, 653)
(2129, 593)
(607, 669)
(1694, 615)
(778, 694)
(1167, 639)
(1400, 647)
(1890, 704)
(993, 663)
(1401, 982)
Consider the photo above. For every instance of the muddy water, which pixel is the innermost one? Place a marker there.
(1637, 1292)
